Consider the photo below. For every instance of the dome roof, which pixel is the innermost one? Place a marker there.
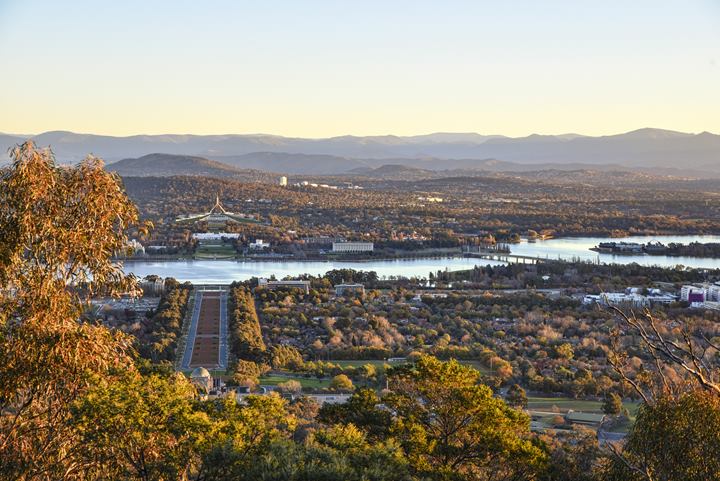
(199, 372)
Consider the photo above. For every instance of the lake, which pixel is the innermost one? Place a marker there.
(222, 272)
(579, 247)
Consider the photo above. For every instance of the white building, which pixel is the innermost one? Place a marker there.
(137, 247)
(713, 293)
(215, 235)
(352, 247)
(202, 379)
(661, 299)
(330, 398)
(320, 398)
(259, 244)
(617, 299)
(693, 294)
(283, 181)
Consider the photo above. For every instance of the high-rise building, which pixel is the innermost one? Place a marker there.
(283, 181)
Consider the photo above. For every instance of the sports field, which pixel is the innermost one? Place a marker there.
(311, 382)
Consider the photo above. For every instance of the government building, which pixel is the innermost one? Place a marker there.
(217, 218)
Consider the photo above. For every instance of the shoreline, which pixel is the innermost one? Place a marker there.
(254, 260)
(406, 257)
(409, 255)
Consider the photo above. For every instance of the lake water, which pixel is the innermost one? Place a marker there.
(579, 247)
(221, 272)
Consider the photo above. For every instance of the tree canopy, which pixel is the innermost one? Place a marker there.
(59, 227)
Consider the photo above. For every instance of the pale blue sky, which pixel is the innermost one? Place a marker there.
(323, 68)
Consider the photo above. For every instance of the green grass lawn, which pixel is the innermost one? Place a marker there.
(376, 362)
(565, 404)
(214, 256)
(358, 363)
(311, 382)
(214, 250)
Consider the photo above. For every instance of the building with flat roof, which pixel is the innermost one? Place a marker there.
(201, 236)
(693, 294)
(353, 247)
(342, 289)
(259, 244)
(292, 284)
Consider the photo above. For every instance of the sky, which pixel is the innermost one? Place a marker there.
(325, 68)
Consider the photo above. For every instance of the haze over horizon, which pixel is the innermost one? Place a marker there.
(387, 134)
(321, 69)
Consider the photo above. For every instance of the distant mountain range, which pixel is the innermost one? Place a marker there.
(163, 165)
(679, 153)
(262, 166)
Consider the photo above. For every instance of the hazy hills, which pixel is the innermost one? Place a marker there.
(643, 149)
(264, 166)
(309, 164)
(163, 165)
(387, 176)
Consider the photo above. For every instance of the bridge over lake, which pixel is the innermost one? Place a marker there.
(504, 257)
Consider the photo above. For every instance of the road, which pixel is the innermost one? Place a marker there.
(192, 332)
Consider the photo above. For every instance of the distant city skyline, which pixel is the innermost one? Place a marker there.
(321, 69)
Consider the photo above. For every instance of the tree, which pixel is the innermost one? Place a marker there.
(59, 227)
(564, 351)
(368, 371)
(291, 386)
(141, 427)
(361, 410)
(686, 352)
(516, 397)
(286, 357)
(677, 431)
(337, 455)
(246, 340)
(612, 404)
(575, 457)
(243, 433)
(451, 425)
(673, 438)
(163, 327)
(341, 382)
(247, 373)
